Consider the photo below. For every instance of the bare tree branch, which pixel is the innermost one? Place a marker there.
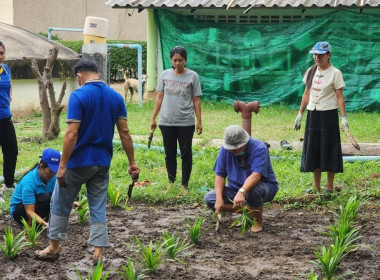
(50, 114)
(62, 94)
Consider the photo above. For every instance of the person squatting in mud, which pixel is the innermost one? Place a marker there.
(178, 97)
(246, 163)
(323, 94)
(93, 111)
(32, 195)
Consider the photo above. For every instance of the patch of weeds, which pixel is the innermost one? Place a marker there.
(174, 247)
(96, 274)
(292, 206)
(129, 272)
(12, 244)
(32, 231)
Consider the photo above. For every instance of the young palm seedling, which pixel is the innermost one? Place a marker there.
(82, 213)
(115, 195)
(33, 231)
(195, 229)
(344, 236)
(328, 262)
(245, 220)
(174, 247)
(97, 273)
(82, 209)
(150, 257)
(129, 272)
(12, 245)
(351, 209)
(312, 275)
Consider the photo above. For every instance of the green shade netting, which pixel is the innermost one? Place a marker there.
(267, 62)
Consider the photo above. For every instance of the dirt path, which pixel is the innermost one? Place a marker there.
(282, 251)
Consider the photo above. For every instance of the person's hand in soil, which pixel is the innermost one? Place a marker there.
(239, 200)
(219, 204)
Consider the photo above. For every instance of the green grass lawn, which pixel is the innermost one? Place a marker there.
(271, 123)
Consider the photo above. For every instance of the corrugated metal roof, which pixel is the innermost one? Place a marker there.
(199, 4)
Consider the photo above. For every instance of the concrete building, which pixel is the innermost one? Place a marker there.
(38, 15)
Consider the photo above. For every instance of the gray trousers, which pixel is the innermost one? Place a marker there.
(96, 179)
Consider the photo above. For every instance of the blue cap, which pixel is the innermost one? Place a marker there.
(321, 48)
(52, 158)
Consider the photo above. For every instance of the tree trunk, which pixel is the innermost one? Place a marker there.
(52, 111)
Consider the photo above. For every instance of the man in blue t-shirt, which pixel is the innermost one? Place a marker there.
(251, 180)
(93, 110)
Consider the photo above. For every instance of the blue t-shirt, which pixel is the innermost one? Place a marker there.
(28, 188)
(97, 107)
(5, 88)
(256, 160)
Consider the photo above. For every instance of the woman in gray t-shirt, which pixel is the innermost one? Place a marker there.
(177, 99)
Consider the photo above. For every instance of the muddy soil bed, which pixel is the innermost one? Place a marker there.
(282, 251)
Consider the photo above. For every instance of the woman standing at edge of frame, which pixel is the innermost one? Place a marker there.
(323, 95)
(8, 140)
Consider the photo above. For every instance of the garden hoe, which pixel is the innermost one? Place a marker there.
(218, 218)
(150, 138)
(130, 188)
(352, 140)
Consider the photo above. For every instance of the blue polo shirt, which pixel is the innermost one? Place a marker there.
(256, 160)
(97, 107)
(5, 88)
(28, 188)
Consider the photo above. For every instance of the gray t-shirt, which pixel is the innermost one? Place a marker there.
(177, 108)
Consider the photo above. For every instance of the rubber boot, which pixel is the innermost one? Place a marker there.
(257, 214)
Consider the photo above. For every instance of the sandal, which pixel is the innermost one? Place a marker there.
(312, 191)
(285, 145)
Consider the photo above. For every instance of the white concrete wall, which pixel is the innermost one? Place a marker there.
(38, 15)
(6, 11)
(25, 95)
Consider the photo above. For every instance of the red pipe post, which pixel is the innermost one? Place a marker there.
(246, 109)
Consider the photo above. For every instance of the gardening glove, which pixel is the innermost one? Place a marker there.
(297, 123)
(345, 123)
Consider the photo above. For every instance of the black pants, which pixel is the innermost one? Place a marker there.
(8, 142)
(184, 135)
(42, 208)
